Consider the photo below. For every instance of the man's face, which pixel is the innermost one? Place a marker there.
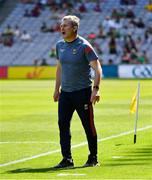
(67, 30)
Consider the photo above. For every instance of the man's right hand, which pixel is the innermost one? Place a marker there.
(56, 96)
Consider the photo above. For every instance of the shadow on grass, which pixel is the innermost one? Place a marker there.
(42, 170)
(137, 156)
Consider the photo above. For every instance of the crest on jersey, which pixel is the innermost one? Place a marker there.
(62, 50)
(74, 51)
(85, 106)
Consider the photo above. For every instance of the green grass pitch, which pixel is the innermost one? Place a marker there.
(29, 140)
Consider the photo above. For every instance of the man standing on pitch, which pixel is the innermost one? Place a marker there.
(75, 58)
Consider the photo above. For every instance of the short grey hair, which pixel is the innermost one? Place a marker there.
(73, 19)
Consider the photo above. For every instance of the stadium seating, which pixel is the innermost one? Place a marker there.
(24, 53)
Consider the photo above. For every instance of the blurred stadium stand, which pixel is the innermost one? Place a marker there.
(6, 7)
(25, 53)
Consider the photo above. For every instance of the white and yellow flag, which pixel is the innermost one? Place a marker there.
(133, 106)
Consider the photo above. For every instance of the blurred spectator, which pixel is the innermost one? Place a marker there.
(27, 13)
(115, 13)
(52, 53)
(82, 8)
(44, 27)
(54, 13)
(143, 58)
(128, 2)
(7, 40)
(108, 23)
(146, 34)
(115, 24)
(57, 14)
(130, 14)
(149, 6)
(8, 30)
(97, 7)
(112, 46)
(125, 59)
(92, 35)
(147, 38)
(7, 36)
(113, 32)
(35, 12)
(105, 22)
(17, 31)
(140, 23)
(118, 23)
(26, 37)
(133, 56)
(122, 13)
(110, 61)
(40, 62)
(138, 42)
(147, 60)
(101, 33)
(55, 28)
(140, 59)
(132, 43)
(44, 62)
(66, 7)
(129, 43)
(36, 62)
(97, 47)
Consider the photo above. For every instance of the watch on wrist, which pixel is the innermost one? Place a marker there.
(96, 87)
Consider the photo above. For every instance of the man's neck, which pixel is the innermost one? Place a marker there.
(71, 39)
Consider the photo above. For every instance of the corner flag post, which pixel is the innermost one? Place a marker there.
(137, 105)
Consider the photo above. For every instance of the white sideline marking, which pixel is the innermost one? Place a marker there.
(117, 157)
(73, 146)
(70, 174)
(28, 142)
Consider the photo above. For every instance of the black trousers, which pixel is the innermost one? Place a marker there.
(68, 103)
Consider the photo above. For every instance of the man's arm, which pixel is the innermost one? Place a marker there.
(95, 97)
(57, 82)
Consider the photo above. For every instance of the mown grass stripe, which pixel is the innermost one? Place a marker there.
(73, 146)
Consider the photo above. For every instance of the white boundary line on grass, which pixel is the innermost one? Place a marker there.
(27, 142)
(73, 146)
(70, 174)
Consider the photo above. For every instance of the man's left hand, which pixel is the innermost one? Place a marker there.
(95, 97)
